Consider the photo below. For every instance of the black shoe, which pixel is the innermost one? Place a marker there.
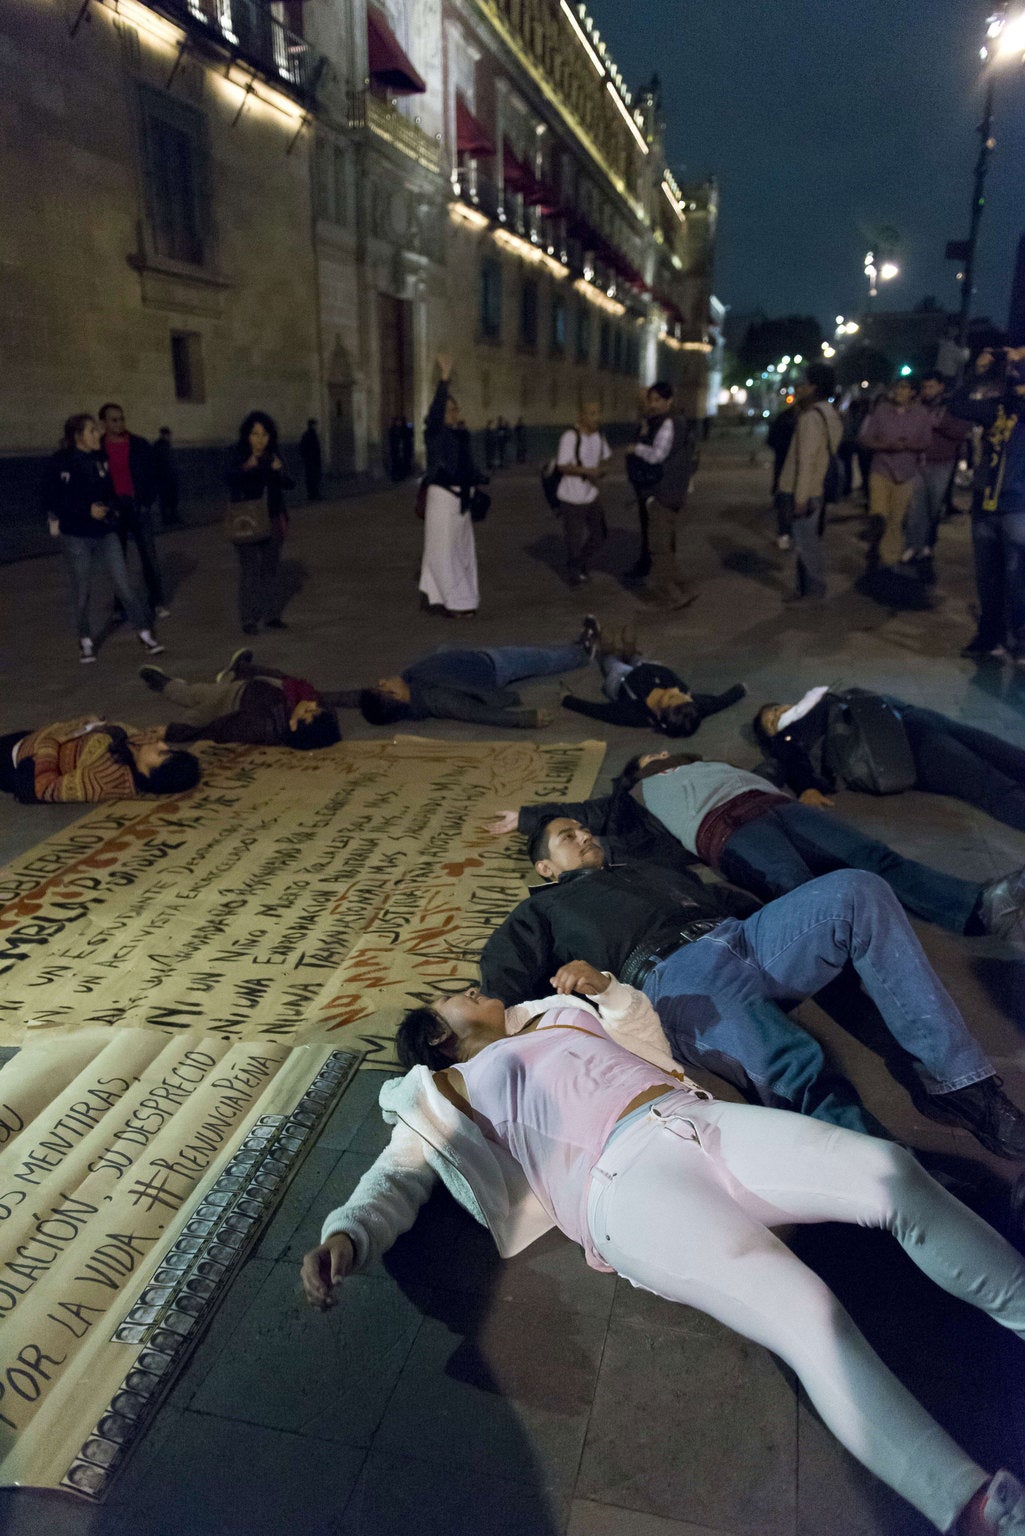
(275, 624)
(984, 1109)
(154, 678)
(590, 635)
(1001, 906)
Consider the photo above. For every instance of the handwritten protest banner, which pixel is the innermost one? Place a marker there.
(293, 893)
(95, 1185)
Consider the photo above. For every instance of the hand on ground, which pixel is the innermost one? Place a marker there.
(325, 1267)
(504, 823)
(816, 798)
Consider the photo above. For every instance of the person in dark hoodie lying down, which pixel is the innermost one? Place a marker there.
(473, 685)
(648, 694)
(950, 758)
(250, 703)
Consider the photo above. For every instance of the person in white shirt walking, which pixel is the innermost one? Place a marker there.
(581, 459)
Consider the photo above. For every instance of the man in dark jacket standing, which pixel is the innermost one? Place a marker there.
(132, 476)
(309, 452)
(998, 516)
(671, 451)
(932, 487)
(719, 984)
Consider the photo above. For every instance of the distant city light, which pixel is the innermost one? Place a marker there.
(766, 414)
(786, 361)
(888, 270)
(798, 358)
(839, 319)
(864, 383)
(750, 382)
(1012, 36)
(905, 370)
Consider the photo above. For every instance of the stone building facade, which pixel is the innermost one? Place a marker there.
(213, 205)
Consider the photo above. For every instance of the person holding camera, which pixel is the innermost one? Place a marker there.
(79, 503)
(995, 400)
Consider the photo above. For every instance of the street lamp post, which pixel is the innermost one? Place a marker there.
(1005, 41)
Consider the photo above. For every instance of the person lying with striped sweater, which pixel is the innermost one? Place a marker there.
(89, 759)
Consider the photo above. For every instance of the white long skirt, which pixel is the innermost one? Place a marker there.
(448, 572)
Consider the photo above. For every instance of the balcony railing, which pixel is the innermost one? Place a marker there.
(252, 32)
(379, 116)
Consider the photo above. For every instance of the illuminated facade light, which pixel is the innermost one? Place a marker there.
(584, 40)
(462, 213)
(627, 116)
(534, 253)
(674, 202)
(599, 297)
(255, 89)
(148, 21)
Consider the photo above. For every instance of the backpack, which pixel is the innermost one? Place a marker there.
(867, 747)
(551, 477)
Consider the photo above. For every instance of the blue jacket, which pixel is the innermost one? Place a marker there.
(1003, 444)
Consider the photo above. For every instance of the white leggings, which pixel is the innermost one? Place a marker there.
(681, 1203)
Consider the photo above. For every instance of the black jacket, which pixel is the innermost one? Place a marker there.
(631, 710)
(627, 828)
(449, 456)
(73, 482)
(598, 915)
(798, 757)
(250, 484)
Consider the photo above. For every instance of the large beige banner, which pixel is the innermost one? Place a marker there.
(105, 1149)
(293, 893)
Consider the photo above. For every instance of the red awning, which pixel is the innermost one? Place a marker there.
(518, 176)
(388, 65)
(472, 138)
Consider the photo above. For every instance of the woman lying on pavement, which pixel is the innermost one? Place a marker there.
(551, 1114)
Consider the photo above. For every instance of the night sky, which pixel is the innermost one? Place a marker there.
(825, 120)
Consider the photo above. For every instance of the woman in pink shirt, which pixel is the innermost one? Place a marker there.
(679, 1194)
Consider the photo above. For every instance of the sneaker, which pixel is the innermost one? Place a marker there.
(1002, 906)
(590, 635)
(1003, 1508)
(86, 651)
(161, 612)
(784, 542)
(154, 678)
(244, 654)
(984, 1109)
(150, 642)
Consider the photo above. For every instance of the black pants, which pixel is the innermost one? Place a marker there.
(136, 524)
(966, 763)
(584, 530)
(258, 596)
(8, 772)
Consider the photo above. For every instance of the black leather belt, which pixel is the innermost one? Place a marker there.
(643, 958)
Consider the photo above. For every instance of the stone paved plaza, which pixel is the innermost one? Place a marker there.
(452, 1394)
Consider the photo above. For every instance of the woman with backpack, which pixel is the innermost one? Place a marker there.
(803, 488)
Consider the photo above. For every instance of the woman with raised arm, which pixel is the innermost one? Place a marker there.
(448, 571)
(552, 1113)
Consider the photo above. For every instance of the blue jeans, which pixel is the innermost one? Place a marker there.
(971, 765)
(719, 999)
(514, 662)
(926, 510)
(791, 844)
(998, 541)
(84, 555)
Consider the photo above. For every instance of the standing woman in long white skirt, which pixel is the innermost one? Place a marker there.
(448, 572)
